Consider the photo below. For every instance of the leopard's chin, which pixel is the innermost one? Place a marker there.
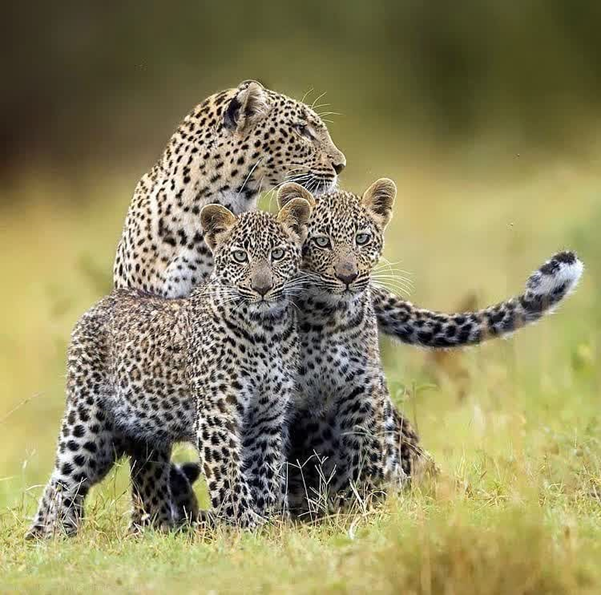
(325, 186)
(267, 306)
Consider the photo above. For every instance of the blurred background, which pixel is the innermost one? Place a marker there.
(485, 112)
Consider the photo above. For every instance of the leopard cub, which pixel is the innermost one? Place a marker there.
(345, 432)
(216, 369)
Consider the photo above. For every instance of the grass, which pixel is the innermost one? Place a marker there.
(517, 508)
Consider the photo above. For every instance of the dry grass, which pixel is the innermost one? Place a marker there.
(518, 506)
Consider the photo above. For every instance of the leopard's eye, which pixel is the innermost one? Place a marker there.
(362, 239)
(277, 254)
(322, 241)
(303, 130)
(240, 256)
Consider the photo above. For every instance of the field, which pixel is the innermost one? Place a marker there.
(515, 426)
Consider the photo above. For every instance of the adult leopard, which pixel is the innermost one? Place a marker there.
(227, 150)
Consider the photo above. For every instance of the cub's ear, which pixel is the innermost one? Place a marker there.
(249, 105)
(294, 216)
(216, 221)
(289, 191)
(378, 199)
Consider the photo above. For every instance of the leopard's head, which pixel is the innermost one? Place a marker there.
(345, 236)
(257, 255)
(269, 138)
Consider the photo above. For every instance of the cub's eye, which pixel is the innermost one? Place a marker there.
(240, 255)
(362, 239)
(277, 254)
(322, 241)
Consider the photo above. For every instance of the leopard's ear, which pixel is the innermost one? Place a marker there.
(294, 216)
(289, 191)
(216, 221)
(249, 105)
(378, 199)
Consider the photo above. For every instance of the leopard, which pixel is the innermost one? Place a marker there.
(344, 428)
(227, 150)
(216, 369)
(345, 432)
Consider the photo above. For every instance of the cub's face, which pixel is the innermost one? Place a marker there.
(345, 238)
(257, 255)
(277, 139)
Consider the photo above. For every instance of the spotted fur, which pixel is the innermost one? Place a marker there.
(319, 422)
(545, 289)
(229, 148)
(345, 429)
(216, 369)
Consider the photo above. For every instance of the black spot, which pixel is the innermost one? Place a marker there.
(79, 431)
(79, 460)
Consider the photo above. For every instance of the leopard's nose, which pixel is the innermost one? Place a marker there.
(262, 282)
(338, 167)
(346, 269)
(348, 277)
(262, 289)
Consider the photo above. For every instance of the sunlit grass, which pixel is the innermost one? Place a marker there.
(517, 508)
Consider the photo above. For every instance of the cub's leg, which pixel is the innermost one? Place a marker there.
(85, 455)
(403, 453)
(86, 445)
(358, 423)
(265, 440)
(380, 449)
(415, 462)
(184, 504)
(151, 487)
(220, 447)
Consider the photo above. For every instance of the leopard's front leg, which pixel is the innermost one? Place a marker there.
(360, 427)
(219, 439)
(265, 443)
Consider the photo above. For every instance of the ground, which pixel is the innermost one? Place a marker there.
(517, 508)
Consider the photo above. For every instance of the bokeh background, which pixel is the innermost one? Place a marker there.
(485, 112)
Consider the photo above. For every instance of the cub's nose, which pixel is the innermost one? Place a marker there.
(262, 289)
(262, 286)
(347, 277)
(338, 167)
(262, 280)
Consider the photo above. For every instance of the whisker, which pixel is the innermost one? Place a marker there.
(392, 277)
(317, 99)
(307, 94)
(399, 289)
(250, 173)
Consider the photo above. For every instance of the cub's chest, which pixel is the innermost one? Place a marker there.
(251, 356)
(329, 361)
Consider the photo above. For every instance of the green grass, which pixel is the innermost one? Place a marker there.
(517, 507)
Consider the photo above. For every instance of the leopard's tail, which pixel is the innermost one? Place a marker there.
(545, 288)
